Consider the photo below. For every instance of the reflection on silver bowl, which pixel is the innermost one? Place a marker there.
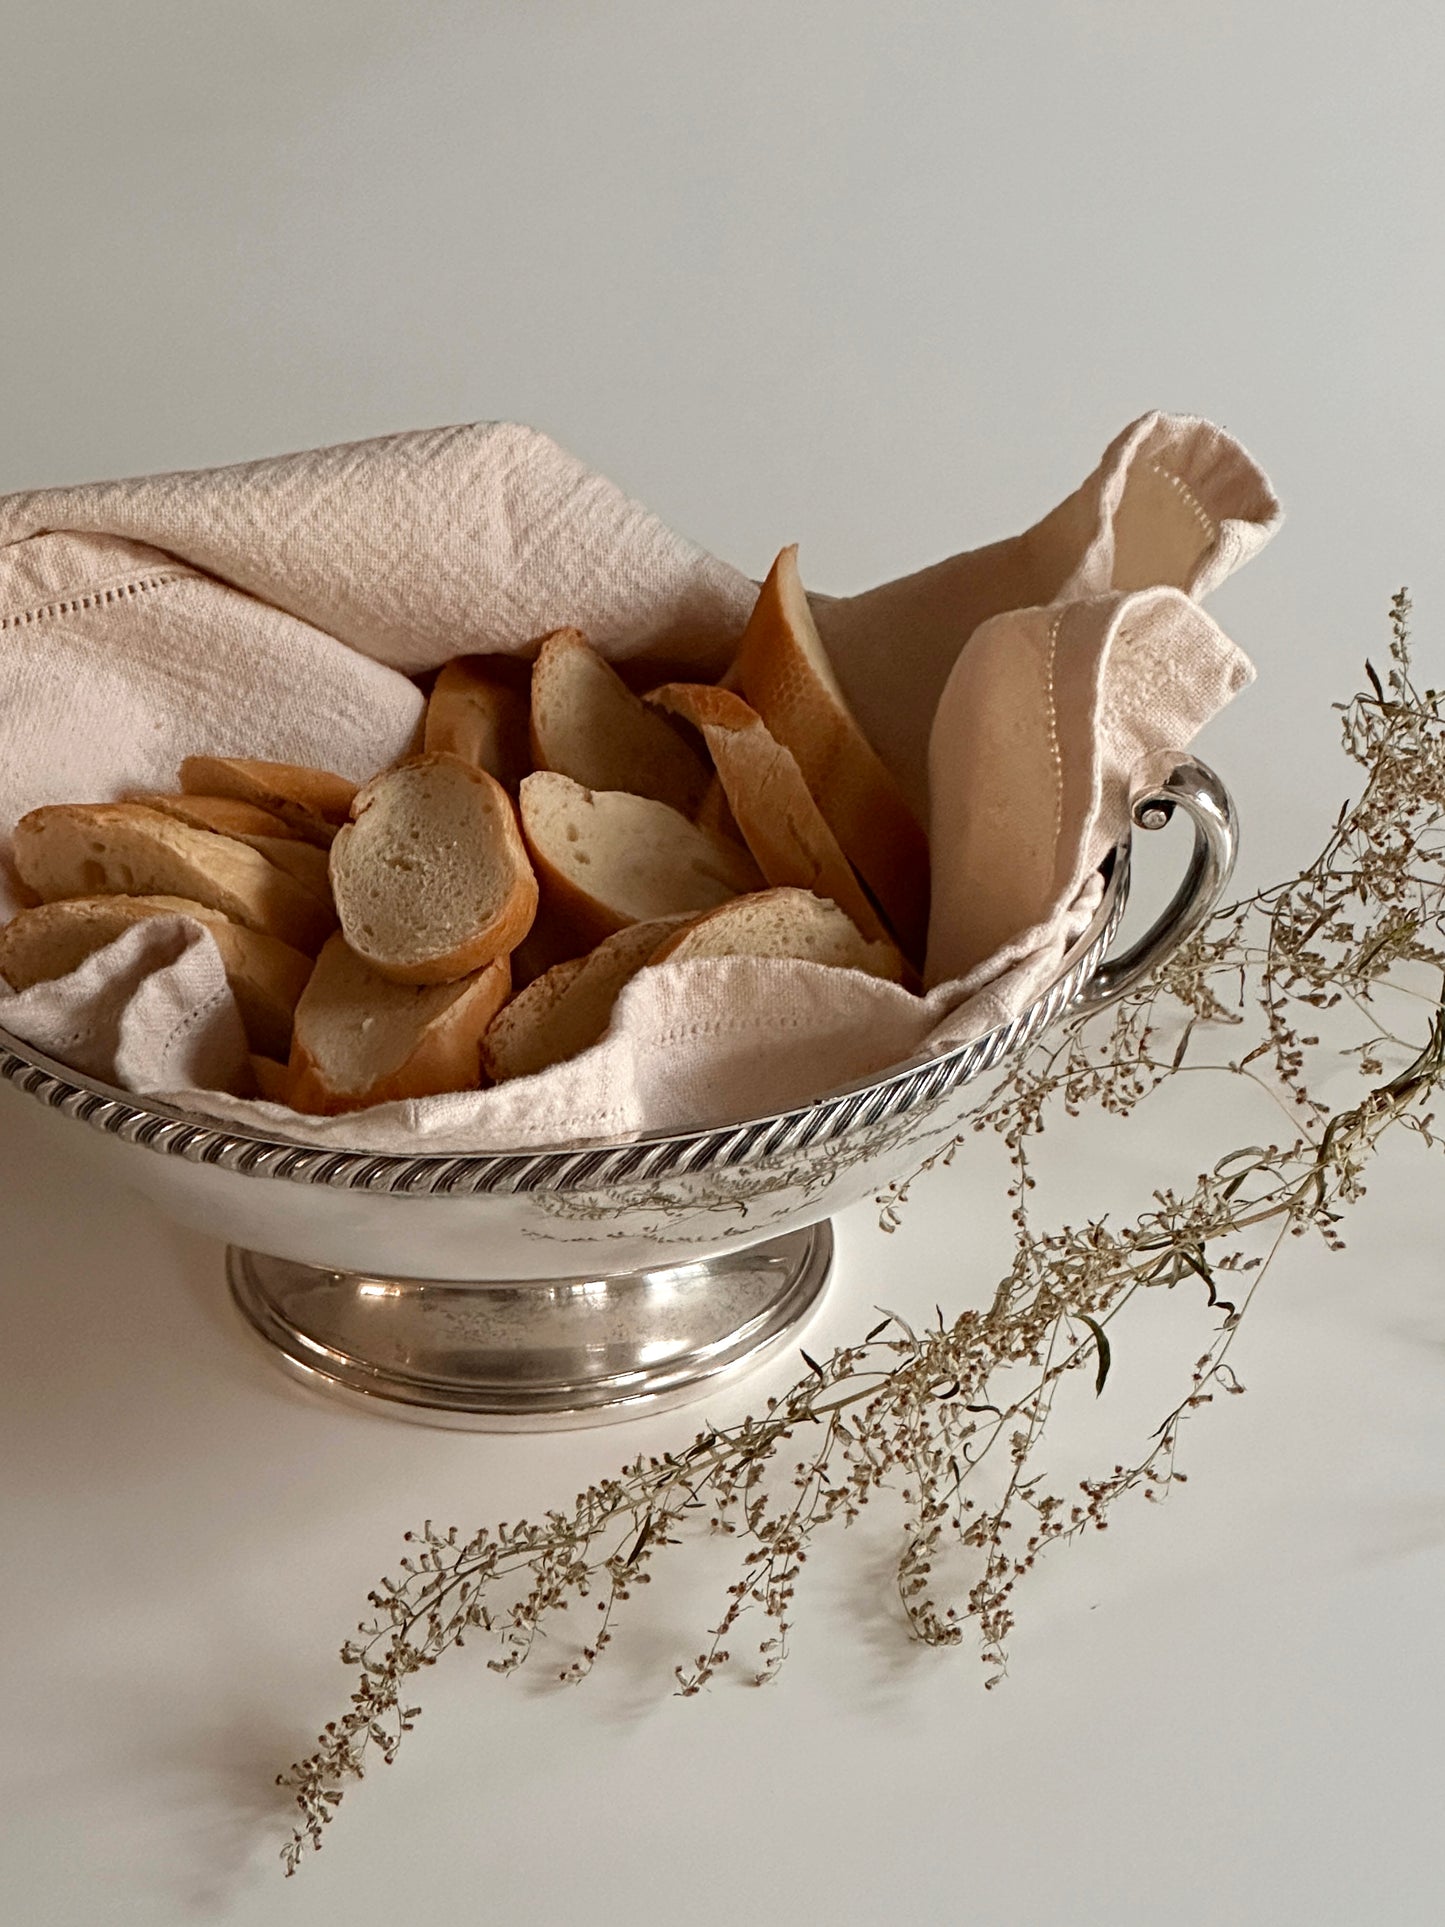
(530, 1289)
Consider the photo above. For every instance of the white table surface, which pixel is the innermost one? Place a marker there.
(884, 281)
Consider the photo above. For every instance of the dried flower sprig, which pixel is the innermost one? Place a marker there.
(939, 1415)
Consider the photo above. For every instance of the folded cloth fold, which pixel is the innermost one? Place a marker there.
(153, 1010)
(277, 610)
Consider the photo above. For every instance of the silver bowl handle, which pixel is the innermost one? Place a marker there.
(1165, 780)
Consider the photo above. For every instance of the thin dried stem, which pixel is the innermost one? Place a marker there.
(1349, 946)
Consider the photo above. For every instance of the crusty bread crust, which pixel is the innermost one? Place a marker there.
(587, 724)
(586, 899)
(571, 908)
(266, 976)
(304, 861)
(273, 1080)
(479, 710)
(226, 815)
(514, 904)
(313, 802)
(771, 804)
(276, 841)
(450, 1021)
(124, 849)
(569, 1007)
(551, 940)
(714, 813)
(782, 923)
(783, 671)
(518, 1039)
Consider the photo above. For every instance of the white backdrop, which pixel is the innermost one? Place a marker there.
(882, 280)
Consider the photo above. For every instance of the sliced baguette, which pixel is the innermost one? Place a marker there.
(361, 1039)
(265, 975)
(304, 861)
(587, 724)
(124, 849)
(226, 815)
(781, 923)
(312, 802)
(431, 878)
(772, 805)
(606, 858)
(479, 710)
(552, 939)
(570, 1006)
(276, 841)
(714, 814)
(272, 1080)
(784, 672)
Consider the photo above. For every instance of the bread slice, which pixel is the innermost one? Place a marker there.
(606, 858)
(265, 975)
(714, 813)
(570, 1007)
(479, 709)
(431, 878)
(772, 805)
(784, 672)
(304, 861)
(312, 802)
(272, 1080)
(226, 815)
(361, 1039)
(552, 939)
(587, 724)
(124, 849)
(781, 923)
(276, 841)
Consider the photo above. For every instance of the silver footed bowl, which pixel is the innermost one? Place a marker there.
(529, 1289)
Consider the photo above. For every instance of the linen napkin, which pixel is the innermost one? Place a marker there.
(277, 609)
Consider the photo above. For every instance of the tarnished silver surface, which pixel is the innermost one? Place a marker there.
(601, 1211)
(1164, 783)
(591, 1167)
(572, 1352)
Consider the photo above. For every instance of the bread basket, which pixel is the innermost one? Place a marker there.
(593, 1281)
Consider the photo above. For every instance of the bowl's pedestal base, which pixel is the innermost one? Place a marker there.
(533, 1355)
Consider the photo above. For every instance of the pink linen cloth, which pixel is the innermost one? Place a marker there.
(278, 608)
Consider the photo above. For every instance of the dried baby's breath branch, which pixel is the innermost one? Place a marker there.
(950, 1417)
